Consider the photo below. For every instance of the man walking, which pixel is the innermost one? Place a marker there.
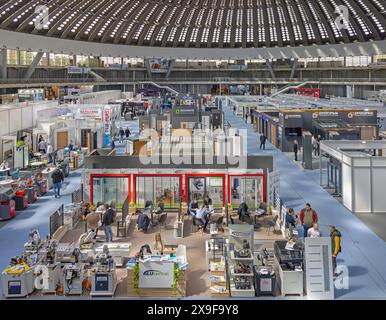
(121, 135)
(308, 217)
(108, 219)
(57, 179)
(263, 139)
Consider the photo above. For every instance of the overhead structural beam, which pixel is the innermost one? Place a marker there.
(294, 68)
(33, 65)
(3, 64)
(269, 65)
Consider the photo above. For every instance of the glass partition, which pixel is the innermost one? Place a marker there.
(212, 186)
(155, 188)
(247, 189)
(108, 189)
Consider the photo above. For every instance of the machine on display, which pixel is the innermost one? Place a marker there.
(73, 275)
(7, 204)
(18, 279)
(103, 275)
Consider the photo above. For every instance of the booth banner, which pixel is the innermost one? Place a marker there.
(77, 70)
(89, 113)
(156, 274)
(159, 65)
(106, 125)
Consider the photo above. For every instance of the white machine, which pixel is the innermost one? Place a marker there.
(119, 251)
(47, 270)
(87, 239)
(103, 274)
(18, 279)
(34, 242)
(72, 278)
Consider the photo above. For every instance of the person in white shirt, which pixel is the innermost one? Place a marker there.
(42, 146)
(314, 232)
(49, 152)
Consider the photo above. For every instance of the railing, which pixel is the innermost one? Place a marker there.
(193, 80)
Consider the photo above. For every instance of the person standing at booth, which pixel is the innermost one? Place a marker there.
(57, 179)
(296, 149)
(108, 219)
(49, 152)
(335, 236)
(42, 146)
(308, 217)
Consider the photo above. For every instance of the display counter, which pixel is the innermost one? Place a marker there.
(158, 276)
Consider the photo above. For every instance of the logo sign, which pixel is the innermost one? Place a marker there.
(326, 114)
(156, 274)
(237, 234)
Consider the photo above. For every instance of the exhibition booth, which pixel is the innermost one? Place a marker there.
(283, 126)
(359, 169)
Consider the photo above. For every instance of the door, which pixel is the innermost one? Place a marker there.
(61, 139)
(211, 186)
(367, 133)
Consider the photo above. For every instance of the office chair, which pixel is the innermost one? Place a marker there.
(219, 223)
(198, 224)
(272, 223)
(162, 220)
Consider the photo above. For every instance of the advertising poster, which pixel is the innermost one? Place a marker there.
(159, 65)
(106, 125)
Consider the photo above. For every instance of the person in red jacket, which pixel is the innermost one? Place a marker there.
(308, 217)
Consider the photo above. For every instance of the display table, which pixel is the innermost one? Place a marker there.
(6, 183)
(155, 276)
(4, 172)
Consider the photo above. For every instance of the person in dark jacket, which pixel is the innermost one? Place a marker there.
(335, 236)
(242, 211)
(121, 135)
(57, 179)
(107, 221)
(112, 144)
(127, 132)
(263, 139)
(296, 149)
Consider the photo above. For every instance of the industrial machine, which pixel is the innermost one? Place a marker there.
(288, 266)
(68, 253)
(18, 278)
(7, 204)
(48, 270)
(73, 276)
(87, 239)
(34, 242)
(103, 275)
(21, 199)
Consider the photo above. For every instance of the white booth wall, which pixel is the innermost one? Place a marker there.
(15, 117)
(363, 184)
(101, 97)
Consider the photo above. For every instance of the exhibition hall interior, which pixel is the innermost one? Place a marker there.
(192, 149)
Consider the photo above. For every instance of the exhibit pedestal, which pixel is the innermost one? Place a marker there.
(179, 292)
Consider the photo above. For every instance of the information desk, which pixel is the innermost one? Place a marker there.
(157, 276)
